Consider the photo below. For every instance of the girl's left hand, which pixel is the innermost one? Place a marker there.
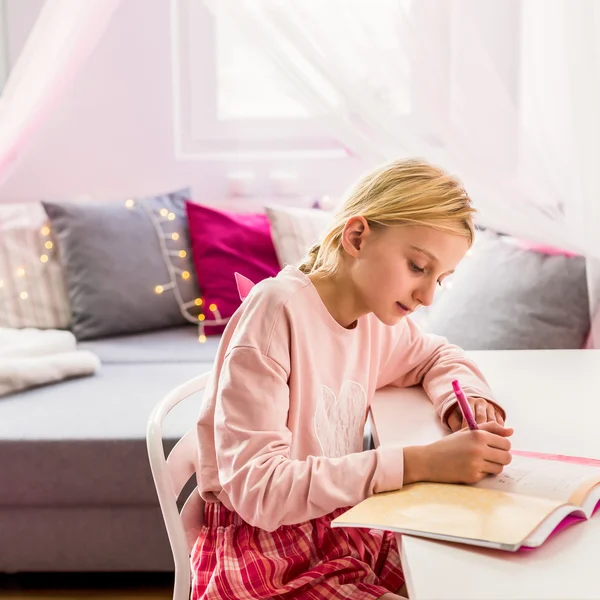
(483, 411)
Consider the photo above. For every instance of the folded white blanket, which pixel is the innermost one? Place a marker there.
(30, 342)
(32, 357)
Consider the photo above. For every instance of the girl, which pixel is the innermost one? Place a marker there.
(281, 428)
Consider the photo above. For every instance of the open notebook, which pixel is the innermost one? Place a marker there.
(535, 496)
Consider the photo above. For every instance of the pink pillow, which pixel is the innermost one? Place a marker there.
(224, 243)
(544, 249)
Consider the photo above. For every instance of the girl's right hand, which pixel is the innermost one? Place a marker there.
(462, 457)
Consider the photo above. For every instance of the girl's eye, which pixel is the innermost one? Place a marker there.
(415, 268)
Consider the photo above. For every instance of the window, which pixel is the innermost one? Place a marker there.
(228, 100)
(231, 100)
(247, 84)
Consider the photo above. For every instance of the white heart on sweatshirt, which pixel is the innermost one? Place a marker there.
(339, 422)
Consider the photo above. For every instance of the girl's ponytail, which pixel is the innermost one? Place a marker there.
(308, 263)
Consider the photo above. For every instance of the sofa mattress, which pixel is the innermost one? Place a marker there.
(177, 344)
(83, 441)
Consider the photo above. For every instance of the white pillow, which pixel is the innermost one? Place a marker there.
(295, 230)
(32, 285)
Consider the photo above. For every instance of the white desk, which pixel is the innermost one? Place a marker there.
(552, 398)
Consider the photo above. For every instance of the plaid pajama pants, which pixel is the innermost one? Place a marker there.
(308, 561)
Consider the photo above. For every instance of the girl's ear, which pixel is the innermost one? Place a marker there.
(354, 234)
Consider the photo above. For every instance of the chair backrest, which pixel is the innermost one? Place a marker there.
(171, 473)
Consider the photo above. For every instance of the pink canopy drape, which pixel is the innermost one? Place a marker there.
(64, 35)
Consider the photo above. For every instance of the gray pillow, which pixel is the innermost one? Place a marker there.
(504, 297)
(113, 263)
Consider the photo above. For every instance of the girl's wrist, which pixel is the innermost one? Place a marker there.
(415, 464)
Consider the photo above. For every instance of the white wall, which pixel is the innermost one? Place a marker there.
(111, 136)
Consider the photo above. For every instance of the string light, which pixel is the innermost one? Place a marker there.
(129, 203)
(216, 312)
(1, 283)
(158, 218)
(212, 307)
(179, 253)
(159, 289)
(29, 273)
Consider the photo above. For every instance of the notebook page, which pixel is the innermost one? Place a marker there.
(558, 520)
(592, 501)
(550, 479)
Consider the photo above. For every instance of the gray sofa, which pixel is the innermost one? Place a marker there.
(76, 492)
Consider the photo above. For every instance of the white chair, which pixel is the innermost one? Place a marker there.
(171, 474)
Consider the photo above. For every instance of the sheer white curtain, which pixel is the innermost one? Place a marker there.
(505, 93)
(63, 36)
(582, 27)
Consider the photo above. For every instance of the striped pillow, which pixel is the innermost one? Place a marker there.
(32, 286)
(295, 230)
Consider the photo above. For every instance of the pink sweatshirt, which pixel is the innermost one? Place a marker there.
(280, 432)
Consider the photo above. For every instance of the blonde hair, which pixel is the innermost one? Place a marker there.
(403, 192)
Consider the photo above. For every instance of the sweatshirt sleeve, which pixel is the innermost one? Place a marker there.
(429, 360)
(265, 486)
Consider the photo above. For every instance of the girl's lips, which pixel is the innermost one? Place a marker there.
(403, 309)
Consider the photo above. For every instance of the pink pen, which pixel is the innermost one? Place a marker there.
(464, 406)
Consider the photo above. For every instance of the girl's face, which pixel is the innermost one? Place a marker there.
(394, 270)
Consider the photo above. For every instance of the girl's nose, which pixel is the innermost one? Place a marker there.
(425, 294)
